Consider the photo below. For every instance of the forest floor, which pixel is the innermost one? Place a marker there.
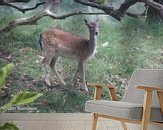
(20, 81)
(121, 48)
(4, 55)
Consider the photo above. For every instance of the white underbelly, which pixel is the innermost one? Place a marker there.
(67, 55)
(66, 52)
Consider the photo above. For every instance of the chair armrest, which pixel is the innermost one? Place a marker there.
(100, 85)
(98, 88)
(150, 88)
(148, 91)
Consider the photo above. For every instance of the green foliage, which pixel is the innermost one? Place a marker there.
(64, 101)
(24, 97)
(20, 99)
(4, 72)
(8, 126)
(122, 47)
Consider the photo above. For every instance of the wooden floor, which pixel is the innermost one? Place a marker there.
(57, 121)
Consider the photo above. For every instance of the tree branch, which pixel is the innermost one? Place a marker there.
(20, 9)
(119, 13)
(109, 10)
(155, 5)
(125, 5)
(16, 1)
(135, 15)
(33, 19)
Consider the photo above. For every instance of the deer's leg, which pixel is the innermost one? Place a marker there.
(80, 76)
(45, 62)
(53, 67)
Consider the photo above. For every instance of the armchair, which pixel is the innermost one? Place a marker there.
(141, 104)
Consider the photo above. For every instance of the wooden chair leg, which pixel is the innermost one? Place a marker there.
(94, 122)
(160, 98)
(146, 109)
(124, 125)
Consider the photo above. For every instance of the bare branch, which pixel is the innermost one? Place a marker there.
(33, 19)
(20, 9)
(15, 1)
(135, 15)
(72, 14)
(125, 5)
(109, 10)
(119, 13)
(155, 5)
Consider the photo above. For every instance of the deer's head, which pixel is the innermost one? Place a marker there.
(93, 26)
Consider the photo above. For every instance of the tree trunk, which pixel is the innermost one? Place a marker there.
(153, 15)
(124, 6)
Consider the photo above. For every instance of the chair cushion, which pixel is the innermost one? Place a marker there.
(131, 111)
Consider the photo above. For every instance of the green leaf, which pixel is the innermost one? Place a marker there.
(5, 107)
(2, 79)
(4, 72)
(20, 99)
(7, 69)
(8, 126)
(24, 97)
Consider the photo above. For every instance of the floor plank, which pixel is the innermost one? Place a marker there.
(57, 121)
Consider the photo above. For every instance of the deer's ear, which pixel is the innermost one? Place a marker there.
(86, 22)
(97, 19)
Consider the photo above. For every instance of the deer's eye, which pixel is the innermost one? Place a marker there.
(90, 27)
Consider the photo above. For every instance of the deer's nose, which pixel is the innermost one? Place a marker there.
(96, 33)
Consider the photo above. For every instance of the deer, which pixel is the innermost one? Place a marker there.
(57, 43)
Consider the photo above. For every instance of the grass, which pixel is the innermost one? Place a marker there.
(122, 47)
